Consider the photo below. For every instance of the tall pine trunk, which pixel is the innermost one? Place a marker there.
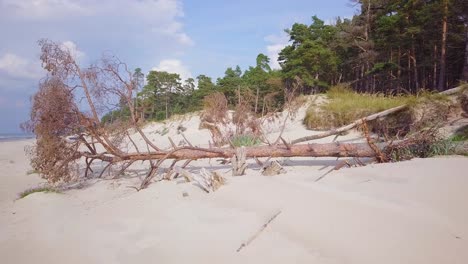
(415, 68)
(434, 74)
(465, 64)
(443, 49)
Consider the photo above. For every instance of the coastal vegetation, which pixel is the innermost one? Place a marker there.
(390, 47)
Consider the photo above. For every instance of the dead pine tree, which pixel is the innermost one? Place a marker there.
(58, 113)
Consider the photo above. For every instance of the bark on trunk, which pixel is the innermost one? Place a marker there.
(434, 77)
(303, 150)
(443, 49)
(465, 64)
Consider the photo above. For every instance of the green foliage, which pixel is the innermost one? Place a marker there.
(310, 56)
(44, 189)
(390, 47)
(230, 83)
(245, 140)
(122, 113)
(264, 83)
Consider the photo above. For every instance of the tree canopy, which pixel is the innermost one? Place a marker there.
(389, 47)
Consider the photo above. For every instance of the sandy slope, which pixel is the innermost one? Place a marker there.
(410, 212)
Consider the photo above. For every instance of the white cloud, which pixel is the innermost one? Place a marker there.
(184, 39)
(156, 16)
(70, 46)
(42, 9)
(174, 66)
(14, 66)
(277, 43)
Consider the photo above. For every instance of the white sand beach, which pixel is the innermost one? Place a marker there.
(409, 212)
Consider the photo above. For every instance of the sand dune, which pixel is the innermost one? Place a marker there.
(408, 212)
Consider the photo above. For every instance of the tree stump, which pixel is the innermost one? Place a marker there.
(238, 162)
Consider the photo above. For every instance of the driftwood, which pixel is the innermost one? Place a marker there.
(273, 169)
(361, 121)
(238, 162)
(206, 180)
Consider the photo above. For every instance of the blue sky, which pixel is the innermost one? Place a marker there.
(187, 37)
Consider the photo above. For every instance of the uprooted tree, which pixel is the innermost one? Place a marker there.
(71, 99)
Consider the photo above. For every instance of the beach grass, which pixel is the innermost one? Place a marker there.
(461, 134)
(245, 140)
(44, 189)
(344, 106)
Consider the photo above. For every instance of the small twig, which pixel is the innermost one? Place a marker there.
(172, 142)
(124, 167)
(186, 140)
(259, 162)
(231, 144)
(245, 244)
(105, 168)
(183, 167)
(288, 146)
(133, 142)
(133, 187)
(169, 170)
(334, 139)
(358, 161)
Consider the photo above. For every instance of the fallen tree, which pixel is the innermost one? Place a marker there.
(103, 86)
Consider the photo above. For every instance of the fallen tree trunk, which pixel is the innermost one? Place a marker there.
(366, 119)
(303, 150)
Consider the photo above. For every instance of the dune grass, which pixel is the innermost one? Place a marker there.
(345, 106)
(44, 189)
(461, 134)
(245, 140)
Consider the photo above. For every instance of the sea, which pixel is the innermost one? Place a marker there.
(14, 136)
